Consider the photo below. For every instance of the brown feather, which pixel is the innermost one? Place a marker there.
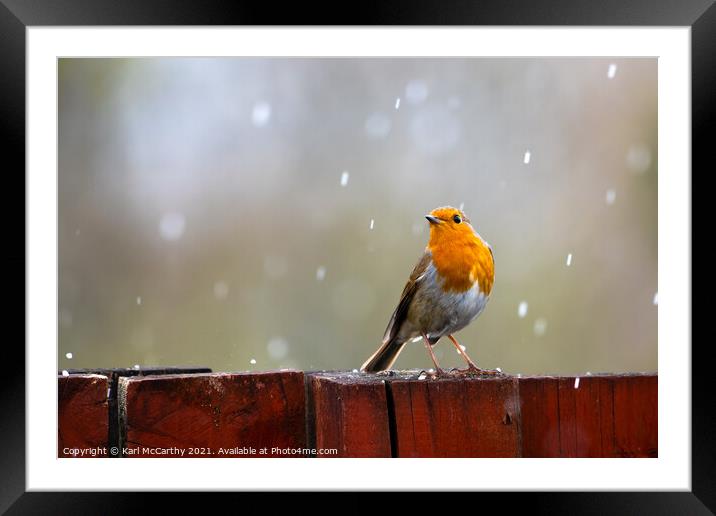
(389, 350)
(401, 311)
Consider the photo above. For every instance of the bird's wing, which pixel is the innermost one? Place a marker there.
(401, 311)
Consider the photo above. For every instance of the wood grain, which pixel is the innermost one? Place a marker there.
(456, 417)
(83, 421)
(598, 416)
(216, 414)
(350, 415)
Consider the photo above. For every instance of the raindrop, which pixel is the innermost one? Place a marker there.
(252, 361)
(136, 366)
(462, 206)
(522, 309)
(65, 373)
(397, 103)
(416, 91)
(139, 300)
(172, 225)
(638, 158)
(611, 196)
(576, 382)
(435, 131)
(656, 299)
(372, 223)
(527, 157)
(289, 365)
(221, 290)
(261, 114)
(540, 326)
(277, 348)
(69, 356)
(569, 259)
(344, 178)
(612, 71)
(320, 273)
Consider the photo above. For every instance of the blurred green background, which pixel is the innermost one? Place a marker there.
(262, 213)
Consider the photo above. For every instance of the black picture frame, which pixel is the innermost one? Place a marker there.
(17, 15)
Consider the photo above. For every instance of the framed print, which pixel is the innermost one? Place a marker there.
(221, 220)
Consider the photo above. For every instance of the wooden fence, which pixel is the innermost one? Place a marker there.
(192, 412)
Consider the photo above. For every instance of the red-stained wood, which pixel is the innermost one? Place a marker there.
(599, 416)
(539, 409)
(636, 417)
(114, 374)
(455, 417)
(213, 415)
(362, 415)
(83, 421)
(350, 415)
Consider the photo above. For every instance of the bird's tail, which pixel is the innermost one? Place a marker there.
(384, 357)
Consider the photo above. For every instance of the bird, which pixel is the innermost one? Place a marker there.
(448, 288)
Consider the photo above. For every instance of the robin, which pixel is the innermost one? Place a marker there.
(448, 288)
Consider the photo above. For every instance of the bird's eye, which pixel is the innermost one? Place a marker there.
(457, 219)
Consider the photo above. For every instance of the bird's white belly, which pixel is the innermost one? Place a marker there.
(464, 307)
(439, 313)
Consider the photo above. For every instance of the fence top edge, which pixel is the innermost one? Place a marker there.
(83, 376)
(341, 376)
(142, 370)
(417, 375)
(210, 375)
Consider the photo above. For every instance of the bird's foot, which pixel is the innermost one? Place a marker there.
(433, 374)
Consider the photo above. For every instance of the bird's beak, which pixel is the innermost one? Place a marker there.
(433, 220)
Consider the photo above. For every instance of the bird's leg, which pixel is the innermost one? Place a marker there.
(463, 354)
(470, 364)
(438, 369)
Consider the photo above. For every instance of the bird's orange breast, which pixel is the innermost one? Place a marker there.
(462, 259)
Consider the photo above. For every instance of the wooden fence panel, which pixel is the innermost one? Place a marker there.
(350, 415)
(636, 416)
(213, 415)
(114, 374)
(456, 417)
(394, 414)
(589, 416)
(83, 420)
